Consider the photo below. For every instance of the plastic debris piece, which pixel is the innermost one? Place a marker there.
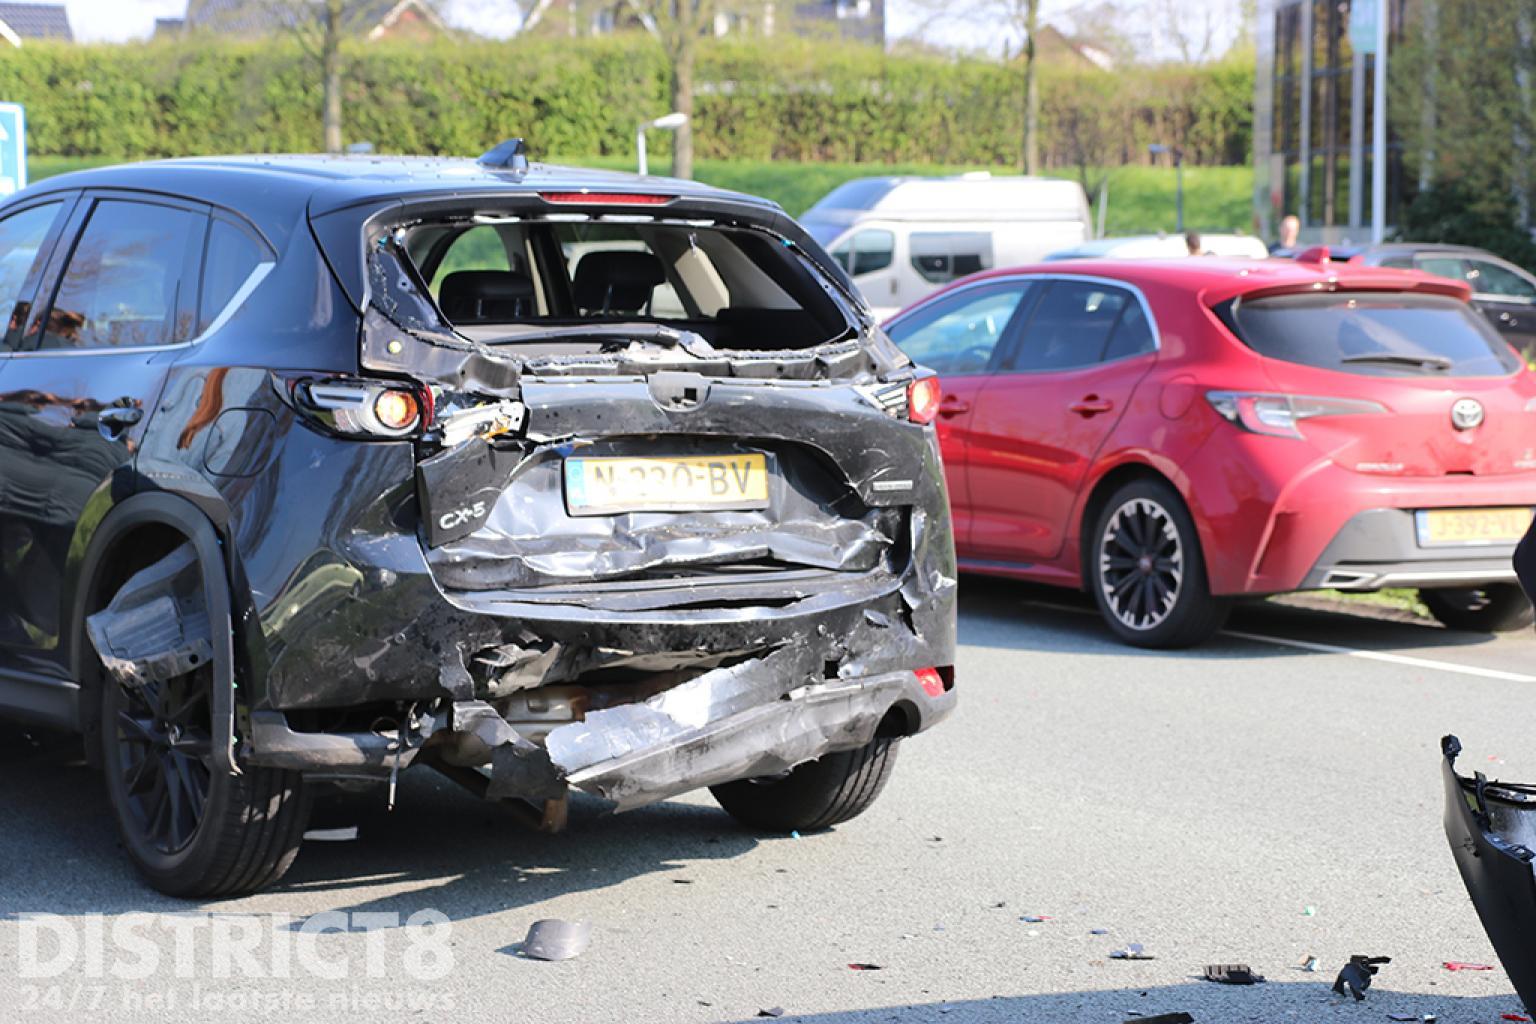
(1310, 964)
(1458, 965)
(1164, 1018)
(1232, 974)
(1134, 951)
(331, 835)
(682, 881)
(1035, 918)
(1309, 911)
(1514, 1016)
(865, 967)
(1357, 974)
(553, 939)
(794, 835)
(772, 1011)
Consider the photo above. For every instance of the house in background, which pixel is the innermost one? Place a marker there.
(854, 20)
(21, 22)
(372, 19)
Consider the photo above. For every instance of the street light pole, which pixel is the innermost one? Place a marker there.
(669, 122)
(1379, 130)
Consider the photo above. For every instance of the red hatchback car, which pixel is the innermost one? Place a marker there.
(1171, 435)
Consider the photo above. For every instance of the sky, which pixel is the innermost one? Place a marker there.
(117, 20)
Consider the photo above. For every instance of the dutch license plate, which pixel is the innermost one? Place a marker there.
(684, 483)
(1456, 527)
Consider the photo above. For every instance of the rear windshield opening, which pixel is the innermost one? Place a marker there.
(737, 288)
(1373, 334)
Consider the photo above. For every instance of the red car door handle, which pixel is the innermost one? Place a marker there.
(1091, 406)
(949, 405)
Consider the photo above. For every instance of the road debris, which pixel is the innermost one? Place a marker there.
(865, 967)
(1357, 974)
(1036, 918)
(1134, 951)
(1309, 963)
(1459, 965)
(1514, 1016)
(1309, 911)
(1232, 974)
(1098, 931)
(772, 1011)
(553, 939)
(1428, 1018)
(1163, 1018)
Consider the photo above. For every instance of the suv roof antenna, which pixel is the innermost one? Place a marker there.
(511, 155)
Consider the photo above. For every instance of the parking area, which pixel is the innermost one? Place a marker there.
(1254, 800)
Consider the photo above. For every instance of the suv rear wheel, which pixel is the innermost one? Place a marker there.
(189, 830)
(1146, 571)
(1495, 608)
(814, 795)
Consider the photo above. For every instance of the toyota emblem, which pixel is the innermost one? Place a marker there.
(1466, 414)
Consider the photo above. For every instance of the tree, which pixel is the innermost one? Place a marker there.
(319, 26)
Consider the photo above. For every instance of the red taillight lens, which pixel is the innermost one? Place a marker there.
(606, 198)
(397, 410)
(923, 400)
(936, 681)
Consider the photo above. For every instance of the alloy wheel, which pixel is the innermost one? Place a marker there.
(1141, 564)
(165, 747)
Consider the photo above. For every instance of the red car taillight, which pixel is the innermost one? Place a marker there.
(923, 400)
(363, 409)
(936, 682)
(1279, 415)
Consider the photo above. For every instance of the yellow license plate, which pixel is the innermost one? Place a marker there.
(1451, 527)
(685, 483)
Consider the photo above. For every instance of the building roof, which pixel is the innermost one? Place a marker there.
(261, 17)
(34, 21)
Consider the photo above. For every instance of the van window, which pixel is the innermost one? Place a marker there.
(942, 256)
(866, 252)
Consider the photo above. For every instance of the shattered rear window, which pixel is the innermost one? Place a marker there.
(736, 288)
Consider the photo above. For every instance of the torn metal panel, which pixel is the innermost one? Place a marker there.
(156, 626)
(1491, 827)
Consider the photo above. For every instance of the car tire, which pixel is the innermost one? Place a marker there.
(1146, 571)
(814, 795)
(191, 831)
(1495, 608)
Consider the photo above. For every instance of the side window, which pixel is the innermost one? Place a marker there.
(1071, 326)
(21, 235)
(231, 258)
(866, 252)
(942, 256)
(958, 334)
(1492, 279)
(127, 285)
(1442, 266)
(479, 248)
(1132, 336)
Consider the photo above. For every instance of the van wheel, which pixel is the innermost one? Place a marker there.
(1146, 571)
(1494, 608)
(814, 795)
(191, 831)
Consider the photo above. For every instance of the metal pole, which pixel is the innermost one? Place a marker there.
(1357, 142)
(1379, 130)
(644, 167)
(1178, 191)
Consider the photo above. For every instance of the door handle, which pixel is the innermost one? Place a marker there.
(949, 405)
(1091, 405)
(117, 421)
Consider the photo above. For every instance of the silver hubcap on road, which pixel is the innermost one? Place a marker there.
(1141, 564)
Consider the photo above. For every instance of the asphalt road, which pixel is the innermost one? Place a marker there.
(1197, 803)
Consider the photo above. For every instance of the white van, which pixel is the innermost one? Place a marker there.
(1156, 247)
(902, 238)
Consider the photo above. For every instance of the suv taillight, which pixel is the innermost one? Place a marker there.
(363, 409)
(923, 400)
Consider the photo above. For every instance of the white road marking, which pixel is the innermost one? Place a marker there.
(1308, 645)
(1393, 659)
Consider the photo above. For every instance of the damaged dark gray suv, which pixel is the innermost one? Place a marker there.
(313, 470)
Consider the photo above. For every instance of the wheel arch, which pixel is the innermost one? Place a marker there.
(153, 519)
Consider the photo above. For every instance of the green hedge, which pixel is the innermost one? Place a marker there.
(794, 100)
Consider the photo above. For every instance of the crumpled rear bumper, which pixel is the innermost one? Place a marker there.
(1491, 827)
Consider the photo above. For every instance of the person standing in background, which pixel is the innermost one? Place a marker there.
(1290, 233)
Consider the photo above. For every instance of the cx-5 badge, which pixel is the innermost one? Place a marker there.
(1466, 414)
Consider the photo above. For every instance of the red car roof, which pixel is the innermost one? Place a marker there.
(1217, 279)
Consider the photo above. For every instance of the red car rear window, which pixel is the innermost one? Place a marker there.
(1373, 334)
